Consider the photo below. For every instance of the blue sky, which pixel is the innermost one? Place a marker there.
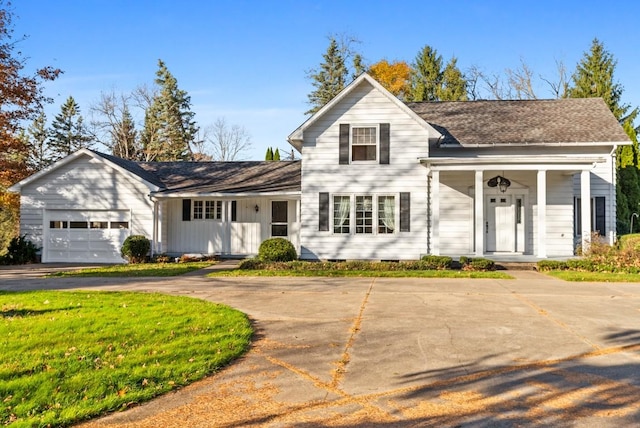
(246, 60)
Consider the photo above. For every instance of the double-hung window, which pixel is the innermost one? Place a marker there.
(386, 214)
(364, 214)
(364, 143)
(341, 214)
(213, 210)
(198, 210)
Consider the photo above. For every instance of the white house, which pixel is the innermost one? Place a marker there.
(379, 179)
(382, 179)
(82, 208)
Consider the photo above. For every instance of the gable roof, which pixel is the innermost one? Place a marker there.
(296, 137)
(522, 122)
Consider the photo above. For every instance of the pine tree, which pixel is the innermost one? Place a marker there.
(594, 77)
(276, 154)
(169, 125)
(124, 137)
(38, 138)
(68, 133)
(453, 86)
(269, 155)
(426, 75)
(330, 79)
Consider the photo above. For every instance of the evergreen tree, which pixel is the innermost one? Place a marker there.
(269, 155)
(169, 125)
(453, 86)
(68, 133)
(38, 139)
(330, 79)
(276, 154)
(124, 137)
(594, 77)
(426, 75)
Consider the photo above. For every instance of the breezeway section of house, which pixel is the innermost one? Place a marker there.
(379, 179)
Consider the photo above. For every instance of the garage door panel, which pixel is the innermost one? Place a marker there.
(87, 236)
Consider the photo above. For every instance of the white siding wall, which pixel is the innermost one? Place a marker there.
(559, 236)
(85, 184)
(242, 237)
(456, 213)
(321, 172)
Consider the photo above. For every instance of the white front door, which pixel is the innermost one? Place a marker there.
(500, 227)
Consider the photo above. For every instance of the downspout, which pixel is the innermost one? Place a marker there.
(613, 203)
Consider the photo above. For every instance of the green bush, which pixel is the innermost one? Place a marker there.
(135, 248)
(277, 250)
(629, 242)
(464, 260)
(479, 264)
(20, 251)
(547, 265)
(438, 262)
(251, 264)
(585, 264)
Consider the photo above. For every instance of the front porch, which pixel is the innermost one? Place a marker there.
(529, 217)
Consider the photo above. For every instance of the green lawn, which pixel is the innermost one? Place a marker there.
(69, 356)
(570, 275)
(364, 273)
(136, 270)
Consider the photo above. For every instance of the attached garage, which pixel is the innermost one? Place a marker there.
(85, 236)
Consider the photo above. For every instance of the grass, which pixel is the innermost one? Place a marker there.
(363, 273)
(135, 270)
(68, 356)
(577, 276)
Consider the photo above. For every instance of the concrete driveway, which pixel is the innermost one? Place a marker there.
(532, 351)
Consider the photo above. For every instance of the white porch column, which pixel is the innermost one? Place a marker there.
(542, 213)
(159, 237)
(435, 212)
(479, 213)
(585, 209)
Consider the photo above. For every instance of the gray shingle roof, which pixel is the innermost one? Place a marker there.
(522, 122)
(215, 177)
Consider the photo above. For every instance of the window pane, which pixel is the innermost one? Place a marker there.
(197, 210)
(386, 214)
(364, 144)
(279, 230)
(99, 225)
(364, 214)
(119, 225)
(363, 153)
(279, 212)
(341, 214)
(78, 225)
(210, 210)
(58, 224)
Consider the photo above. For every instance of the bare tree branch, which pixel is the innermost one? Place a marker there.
(560, 86)
(227, 143)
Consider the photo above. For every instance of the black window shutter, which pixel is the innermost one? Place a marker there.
(234, 210)
(323, 209)
(600, 215)
(405, 211)
(344, 144)
(384, 143)
(186, 210)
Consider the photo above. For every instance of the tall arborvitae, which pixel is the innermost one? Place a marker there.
(276, 154)
(269, 155)
(68, 133)
(330, 79)
(594, 77)
(169, 125)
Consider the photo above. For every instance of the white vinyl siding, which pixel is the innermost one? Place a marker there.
(84, 185)
(321, 172)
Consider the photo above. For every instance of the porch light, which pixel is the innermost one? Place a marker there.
(257, 208)
(499, 181)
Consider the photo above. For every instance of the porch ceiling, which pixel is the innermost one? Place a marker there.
(509, 163)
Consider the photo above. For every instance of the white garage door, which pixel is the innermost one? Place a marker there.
(85, 236)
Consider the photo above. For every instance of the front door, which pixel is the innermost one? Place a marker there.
(500, 227)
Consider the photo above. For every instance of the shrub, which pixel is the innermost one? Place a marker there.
(20, 251)
(547, 265)
(582, 265)
(162, 258)
(277, 250)
(135, 248)
(479, 264)
(629, 242)
(464, 260)
(251, 264)
(438, 262)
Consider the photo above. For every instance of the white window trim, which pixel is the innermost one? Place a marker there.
(363, 125)
(204, 209)
(352, 213)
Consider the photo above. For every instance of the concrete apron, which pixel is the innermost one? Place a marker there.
(408, 352)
